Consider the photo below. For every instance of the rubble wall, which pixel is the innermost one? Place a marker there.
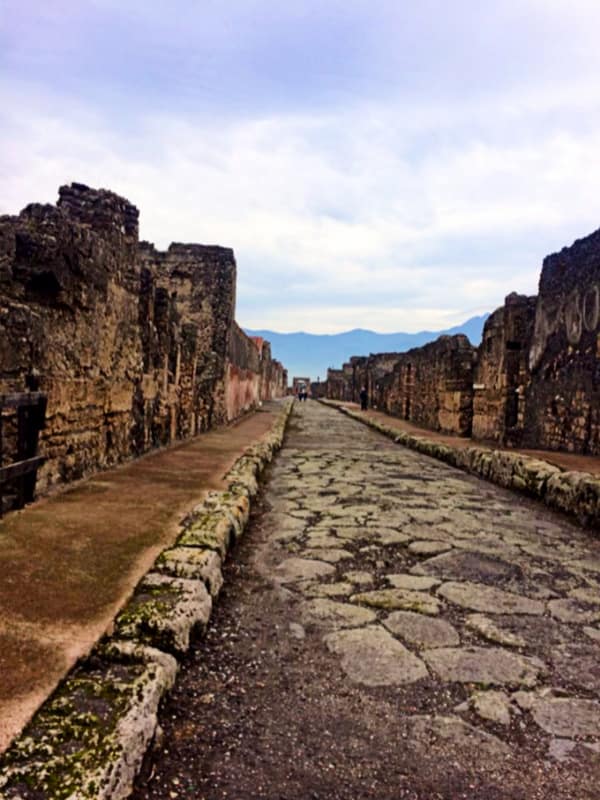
(502, 372)
(563, 396)
(134, 347)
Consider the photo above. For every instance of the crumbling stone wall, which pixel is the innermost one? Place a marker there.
(133, 346)
(337, 388)
(243, 378)
(432, 385)
(186, 319)
(273, 376)
(563, 396)
(69, 312)
(502, 372)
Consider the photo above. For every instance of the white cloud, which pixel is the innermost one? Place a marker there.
(363, 218)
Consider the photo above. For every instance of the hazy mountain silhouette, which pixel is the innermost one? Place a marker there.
(310, 354)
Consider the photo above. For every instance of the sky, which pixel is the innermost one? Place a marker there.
(381, 164)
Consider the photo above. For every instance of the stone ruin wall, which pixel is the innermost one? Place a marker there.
(533, 382)
(432, 386)
(134, 347)
(502, 372)
(563, 396)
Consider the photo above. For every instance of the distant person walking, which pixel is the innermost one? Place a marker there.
(364, 398)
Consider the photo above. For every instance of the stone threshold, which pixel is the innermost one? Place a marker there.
(88, 740)
(571, 492)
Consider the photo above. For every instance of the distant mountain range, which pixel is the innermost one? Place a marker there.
(310, 354)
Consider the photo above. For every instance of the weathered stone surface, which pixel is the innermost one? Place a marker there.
(372, 657)
(428, 548)
(422, 631)
(192, 562)
(592, 633)
(492, 705)
(478, 597)
(566, 716)
(332, 556)
(575, 611)
(491, 665)
(339, 589)
(301, 569)
(579, 664)
(415, 583)
(90, 738)
(489, 630)
(163, 612)
(135, 348)
(391, 599)
(359, 578)
(337, 615)
(448, 736)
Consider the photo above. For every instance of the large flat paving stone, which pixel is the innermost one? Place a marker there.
(479, 597)
(448, 736)
(489, 665)
(421, 631)
(392, 599)
(338, 615)
(302, 569)
(372, 657)
(566, 716)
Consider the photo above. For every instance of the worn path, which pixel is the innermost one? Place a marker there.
(391, 628)
(69, 562)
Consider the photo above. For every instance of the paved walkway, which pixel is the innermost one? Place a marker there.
(391, 628)
(69, 562)
(568, 461)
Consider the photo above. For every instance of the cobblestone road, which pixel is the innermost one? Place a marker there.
(392, 628)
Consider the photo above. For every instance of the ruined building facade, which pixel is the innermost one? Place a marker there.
(134, 347)
(533, 382)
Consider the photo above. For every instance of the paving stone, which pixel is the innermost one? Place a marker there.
(470, 565)
(372, 657)
(489, 630)
(391, 599)
(593, 633)
(449, 736)
(479, 597)
(492, 705)
(561, 749)
(339, 615)
(415, 583)
(332, 556)
(318, 540)
(492, 666)
(574, 611)
(298, 569)
(359, 578)
(422, 631)
(578, 664)
(388, 537)
(338, 589)
(428, 548)
(568, 717)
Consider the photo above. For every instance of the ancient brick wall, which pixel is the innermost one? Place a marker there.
(273, 376)
(432, 385)
(502, 372)
(133, 346)
(186, 321)
(69, 312)
(562, 408)
(243, 378)
(337, 387)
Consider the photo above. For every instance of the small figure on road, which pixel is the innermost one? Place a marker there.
(363, 398)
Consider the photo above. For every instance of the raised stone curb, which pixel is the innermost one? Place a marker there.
(88, 740)
(574, 493)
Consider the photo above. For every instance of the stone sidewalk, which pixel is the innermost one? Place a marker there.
(566, 461)
(70, 561)
(397, 629)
